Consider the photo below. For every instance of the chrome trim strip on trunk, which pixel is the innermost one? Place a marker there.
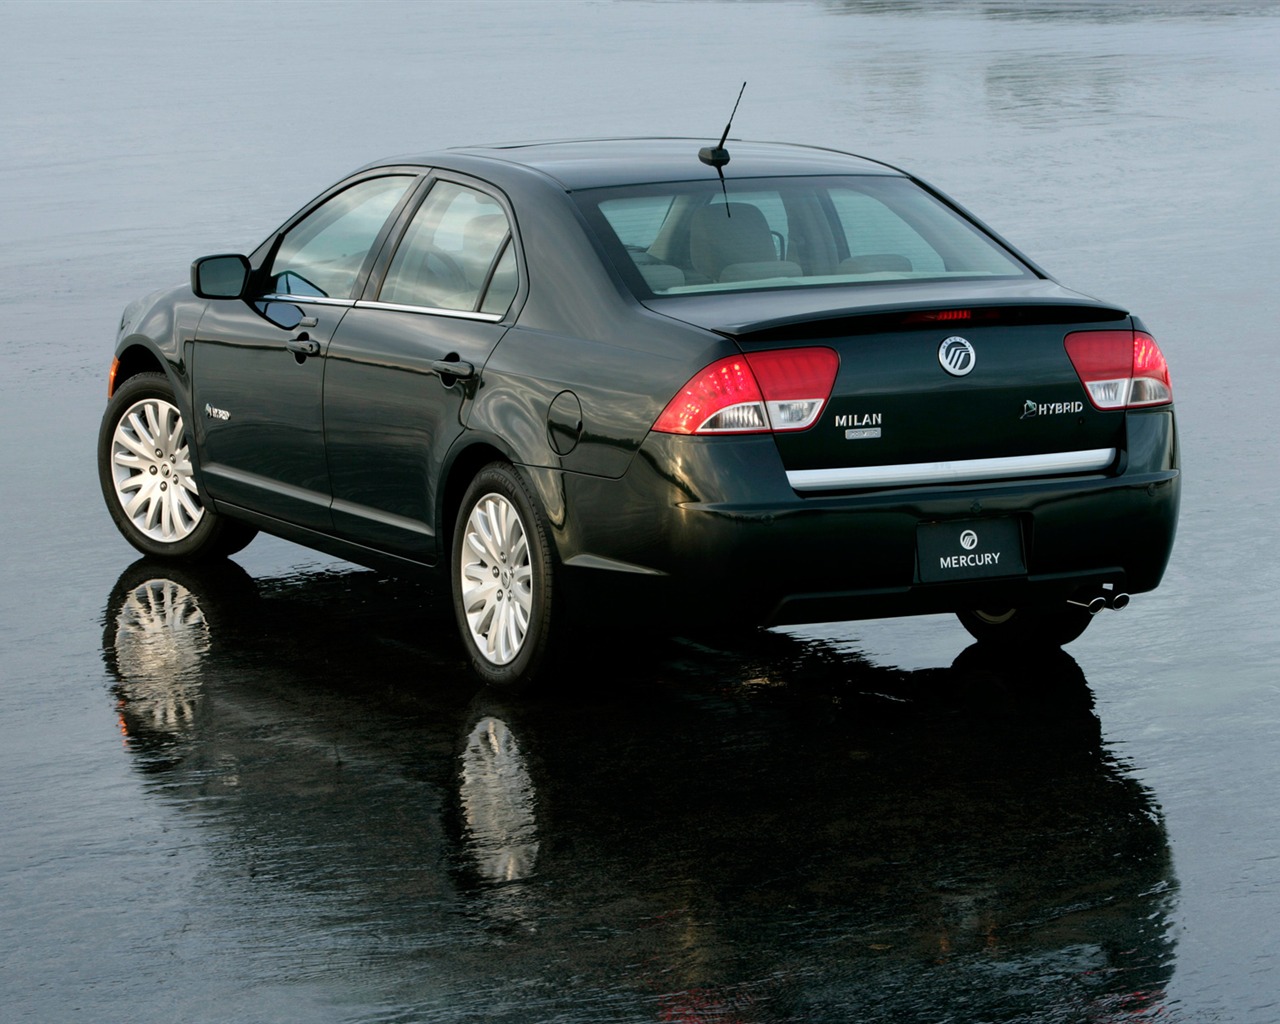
(969, 470)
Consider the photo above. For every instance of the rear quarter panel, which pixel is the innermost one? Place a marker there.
(581, 331)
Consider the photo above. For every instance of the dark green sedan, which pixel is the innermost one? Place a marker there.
(595, 383)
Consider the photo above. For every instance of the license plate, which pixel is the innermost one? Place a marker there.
(969, 549)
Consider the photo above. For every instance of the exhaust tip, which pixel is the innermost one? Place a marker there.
(1119, 601)
(1092, 606)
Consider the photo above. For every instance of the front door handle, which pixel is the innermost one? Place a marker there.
(454, 368)
(303, 346)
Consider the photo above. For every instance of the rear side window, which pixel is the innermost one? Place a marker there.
(690, 237)
(456, 254)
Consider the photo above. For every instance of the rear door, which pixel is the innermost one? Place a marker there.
(406, 361)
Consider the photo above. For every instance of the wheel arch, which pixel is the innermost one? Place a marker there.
(464, 463)
(139, 354)
(133, 360)
(467, 459)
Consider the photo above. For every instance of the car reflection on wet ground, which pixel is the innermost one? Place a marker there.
(766, 830)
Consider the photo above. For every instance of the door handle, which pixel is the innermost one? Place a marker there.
(303, 346)
(454, 368)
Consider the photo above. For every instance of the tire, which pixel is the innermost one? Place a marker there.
(1049, 626)
(504, 587)
(144, 467)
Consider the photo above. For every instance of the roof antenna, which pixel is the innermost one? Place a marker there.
(718, 156)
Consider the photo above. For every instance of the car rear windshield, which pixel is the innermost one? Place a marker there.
(693, 238)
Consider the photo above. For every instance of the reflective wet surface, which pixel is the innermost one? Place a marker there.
(770, 831)
(269, 790)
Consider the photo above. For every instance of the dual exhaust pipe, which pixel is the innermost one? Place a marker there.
(1113, 599)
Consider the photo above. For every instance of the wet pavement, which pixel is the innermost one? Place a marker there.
(270, 792)
(706, 837)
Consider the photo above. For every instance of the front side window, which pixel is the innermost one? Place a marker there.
(690, 238)
(322, 255)
(456, 254)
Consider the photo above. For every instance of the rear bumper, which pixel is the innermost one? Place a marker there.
(759, 552)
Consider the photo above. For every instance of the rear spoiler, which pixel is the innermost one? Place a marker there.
(770, 314)
(950, 318)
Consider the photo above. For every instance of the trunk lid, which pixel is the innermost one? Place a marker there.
(1011, 404)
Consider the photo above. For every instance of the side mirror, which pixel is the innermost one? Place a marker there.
(220, 277)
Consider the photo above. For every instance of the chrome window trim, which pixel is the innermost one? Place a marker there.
(299, 300)
(966, 471)
(465, 314)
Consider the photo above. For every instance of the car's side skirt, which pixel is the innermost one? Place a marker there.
(384, 562)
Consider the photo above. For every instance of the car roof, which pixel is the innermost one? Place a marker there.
(596, 163)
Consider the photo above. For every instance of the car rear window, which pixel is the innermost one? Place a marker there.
(694, 237)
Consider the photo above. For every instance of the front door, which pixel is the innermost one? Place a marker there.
(259, 363)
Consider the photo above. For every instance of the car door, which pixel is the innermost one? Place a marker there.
(258, 362)
(405, 363)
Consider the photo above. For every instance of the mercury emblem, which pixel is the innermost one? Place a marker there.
(957, 356)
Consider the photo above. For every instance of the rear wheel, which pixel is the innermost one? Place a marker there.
(503, 579)
(144, 467)
(1049, 626)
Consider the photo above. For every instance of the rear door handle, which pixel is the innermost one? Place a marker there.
(303, 346)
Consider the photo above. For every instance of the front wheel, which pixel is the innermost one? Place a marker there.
(144, 467)
(1049, 626)
(503, 579)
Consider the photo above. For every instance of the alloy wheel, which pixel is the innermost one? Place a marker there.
(151, 471)
(496, 577)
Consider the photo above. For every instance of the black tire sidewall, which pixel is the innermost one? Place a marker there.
(528, 666)
(202, 542)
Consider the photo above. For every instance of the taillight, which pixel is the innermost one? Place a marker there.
(778, 390)
(1120, 369)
